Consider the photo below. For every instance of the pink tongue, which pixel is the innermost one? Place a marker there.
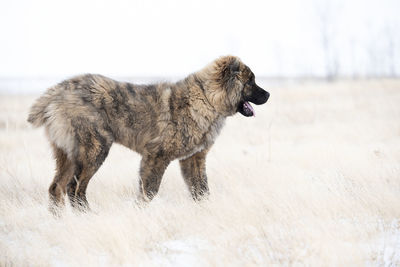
(248, 106)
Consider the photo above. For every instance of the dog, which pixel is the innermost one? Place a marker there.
(83, 116)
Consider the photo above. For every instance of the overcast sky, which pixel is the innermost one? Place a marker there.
(174, 38)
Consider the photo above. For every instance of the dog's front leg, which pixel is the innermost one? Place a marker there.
(194, 173)
(151, 172)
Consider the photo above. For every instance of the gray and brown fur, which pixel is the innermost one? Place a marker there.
(85, 115)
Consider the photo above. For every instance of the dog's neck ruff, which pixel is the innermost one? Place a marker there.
(202, 89)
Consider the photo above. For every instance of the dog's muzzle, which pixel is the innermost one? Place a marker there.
(259, 96)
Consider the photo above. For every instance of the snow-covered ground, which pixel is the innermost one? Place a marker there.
(313, 179)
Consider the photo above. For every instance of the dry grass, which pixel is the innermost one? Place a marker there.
(314, 179)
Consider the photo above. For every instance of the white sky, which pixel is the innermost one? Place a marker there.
(164, 38)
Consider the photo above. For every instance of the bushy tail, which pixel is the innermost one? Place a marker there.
(37, 115)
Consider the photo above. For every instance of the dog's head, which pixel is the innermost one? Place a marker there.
(232, 87)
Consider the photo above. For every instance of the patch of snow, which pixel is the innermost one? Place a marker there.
(185, 252)
(387, 245)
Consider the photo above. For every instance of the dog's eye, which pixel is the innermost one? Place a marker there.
(250, 82)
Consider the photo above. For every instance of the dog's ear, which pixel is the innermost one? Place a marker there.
(234, 67)
(230, 67)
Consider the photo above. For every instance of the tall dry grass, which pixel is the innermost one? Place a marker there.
(314, 179)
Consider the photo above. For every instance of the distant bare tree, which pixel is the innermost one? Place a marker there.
(326, 17)
(391, 50)
(374, 53)
(353, 69)
(381, 51)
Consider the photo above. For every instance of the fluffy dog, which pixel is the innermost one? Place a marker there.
(85, 115)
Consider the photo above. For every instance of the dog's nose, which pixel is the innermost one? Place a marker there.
(266, 96)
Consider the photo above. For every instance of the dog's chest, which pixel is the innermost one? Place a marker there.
(206, 140)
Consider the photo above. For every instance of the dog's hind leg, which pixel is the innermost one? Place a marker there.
(64, 173)
(194, 173)
(151, 171)
(90, 157)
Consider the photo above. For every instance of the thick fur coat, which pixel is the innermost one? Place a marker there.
(85, 115)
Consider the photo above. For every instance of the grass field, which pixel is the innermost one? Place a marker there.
(313, 179)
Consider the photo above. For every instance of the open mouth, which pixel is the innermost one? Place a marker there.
(248, 109)
(257, 98)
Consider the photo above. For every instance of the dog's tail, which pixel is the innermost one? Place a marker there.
(37, 114)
